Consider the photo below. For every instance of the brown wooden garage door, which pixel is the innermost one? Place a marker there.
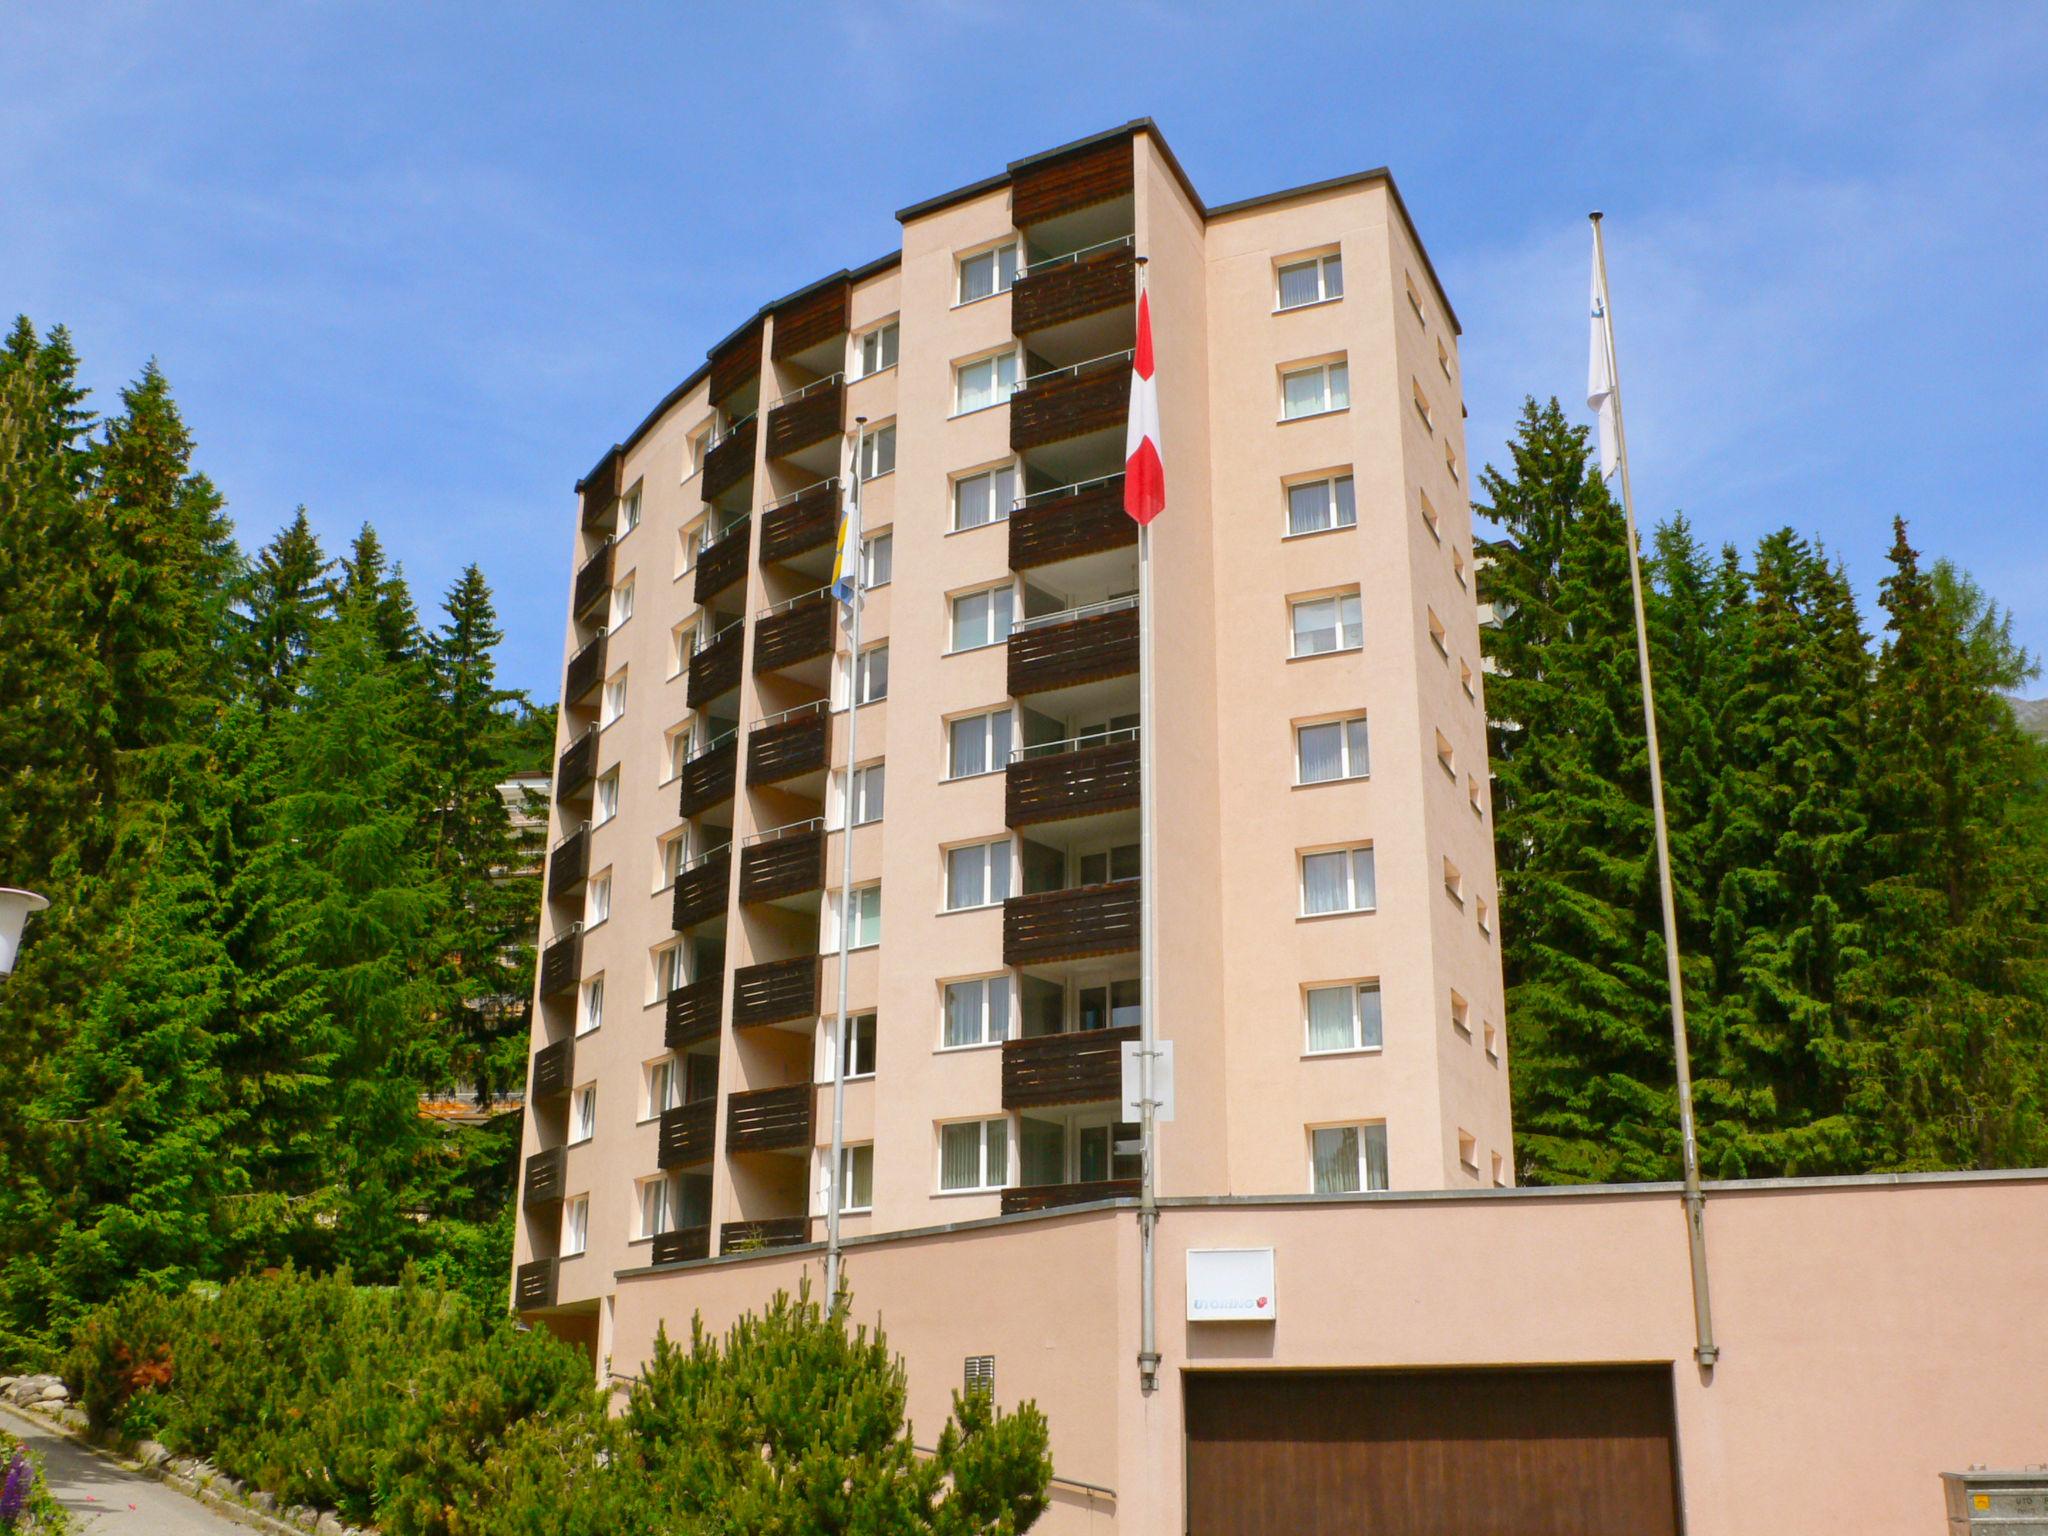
(1570, 1452)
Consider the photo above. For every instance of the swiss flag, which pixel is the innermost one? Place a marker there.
(1144, 471)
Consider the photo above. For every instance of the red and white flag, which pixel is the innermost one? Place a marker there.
(1144, 471)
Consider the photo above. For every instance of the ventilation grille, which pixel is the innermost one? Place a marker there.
(981, 1375)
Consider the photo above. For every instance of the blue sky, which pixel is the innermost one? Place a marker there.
(420, 263)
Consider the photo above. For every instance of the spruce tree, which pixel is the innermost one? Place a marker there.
(288, 598)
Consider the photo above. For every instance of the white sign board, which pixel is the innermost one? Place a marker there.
(1162, 1082)
(1231, 1285)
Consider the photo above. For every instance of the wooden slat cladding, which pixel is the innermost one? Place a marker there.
(561, 964)
(776, 1232)
(686, 1134)
(733, 364)
(708, 778)
(769, 1119)
(1086, 177)
(800, 632)
(726, 465)
(576, 768)
(782, 867)
(554, 1068)
(810, 319)
(601, 487)
(546, 1174)
(1087, 650)
(693, 1012)
(1074, 289)
(1073, 924)
(701, 890)
(1089, 522)
(1096, 399)
(1090, 782)
(802, 524)
(721, 564)
(1045, 1197)
(594, 580)
(787, 748)
(585, 672)
(533, 1286)
(1076, 1068)
(1554, 1452)
(775, 992)
(681, 1245)
(715, 670)
(569, 864)
(800, 423)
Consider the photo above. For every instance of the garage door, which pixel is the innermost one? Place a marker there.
(1574, 1452)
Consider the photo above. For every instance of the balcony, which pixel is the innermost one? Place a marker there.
(769, 1119)
(593, 581)
(735, 362)
(533, 1286)
(811, 321)
(1057, 188)
(600, 488)
(1045, 1197)
(686, 1134)
(1074, 286)
(784, 862)
(701, 889)
(730, 459)
(800, 524)
(586, 671)
(788, 745)
(715, 669)
(561, 963)
(776, 992)
(694, 1012)
(554, 1068)
(1070, 522)
(776, 1232)
(1085, 398)
(576, 768)
(809, 415)
(722, 562)
(1074, 647)
(569, 864)
(1066, 780)
(792, 633)
(546, 1177)
(681, 1246)
(1082, 1067)
(1074, 924)
(709, 775)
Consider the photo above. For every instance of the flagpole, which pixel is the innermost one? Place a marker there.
(1705, 1349)
(1148, 990)
(852, 551)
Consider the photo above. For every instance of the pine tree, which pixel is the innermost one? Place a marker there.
(289, 597)
(367, 575)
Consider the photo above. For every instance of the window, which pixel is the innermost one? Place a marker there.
(985, 497)
(1332, 749)
(629, 512)
(591, 1013)
(878, 561)
(1429, 515)
(1120, 1005)
(682, 644)
(858, 1044)
(1437, 635)
(978, 875)
(597, 906)
(1340, 880)
(982, 618)
(689, 540)
(614, 697)
(1443, 357)
(1316, 506)
(877, 350)
(1311, 281)
(1461, 1014)
(984, 382)
(872, 678)
(1414, 298)
(1311, 391)
(1491, 1040)
(974, 1154)
(622, 602)
(575, 1225)
(607, 802)
(583, 1121)
(1468, 1152)
(675, 752)
(1422, 406)
(1484, 918)
(671, 855)
(878, 452)
(988, 272)
(1500, 1172)
(865, 912)
(1348, 1158)
(1324, 624)
(856, 1178)
(1122, 862)
(1458, 566)
(1446, 759)
(700, 445)
(869, 784)
(664, 1086)
(1454, 882)
(671, 969)
(1472, 795)
(1345, 1018)
(977, 1012)
(1465, 680)
(657, 1205)
(978, 744)
(1451, 460)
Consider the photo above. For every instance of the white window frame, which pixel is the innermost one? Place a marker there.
(988, 1031)
(1333, 500)
(575, 1226)
(875, 462)
(689, 540)
(1422, 405)
(987, 880)
(671, 968)
(590, 1006)
(849, 1042)
(700, 441)
(1429, 514)
(604, 803)
(846, 672)
(582, 1114)
(858, 362)
(1354, 992)
(649, 1224)
(994, 254)
(1349, 633)
(989, 628)
(629, 513)
(671, 852)
(682, 645)
(661, 1089)
(987, 1127)
(878, 559)
(1349, 852)
(993, 761)
(614, 698)
(1355, 757)
(998, 511)
(623, 602)
(1364, 1131)
(1328, 374)
(847, 1183)
(1323, 262)
(998, 393)
(868, 799)
(845, 907)
(597, 902)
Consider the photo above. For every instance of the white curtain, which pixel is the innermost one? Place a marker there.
(1336, 1160)
(1329, 1019)
(1376, 1157)
(1333, 277)
(997, 989)
(1340, 386)
(998, 871)
(1369, 1024)
(965, 869)
(1364, 886)
(1322, 882)
(960, 1156)
(1308, 507)
(997, 1134)
(1322, 752)
(963, 1013)
(1298, 284)
(971, 501)
(1358, 743)
(1347, 502)
(1303, 392)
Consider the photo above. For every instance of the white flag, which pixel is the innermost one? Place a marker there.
(1600, 387)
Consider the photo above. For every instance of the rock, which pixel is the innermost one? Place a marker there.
(182, 1466)
(302, 1516)
(74, 1418)
(152, 1453)
(329, 1524)
(264, 1501)
(56, 1392)
(232, 1486)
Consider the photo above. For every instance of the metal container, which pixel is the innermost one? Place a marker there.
(2008, 1503)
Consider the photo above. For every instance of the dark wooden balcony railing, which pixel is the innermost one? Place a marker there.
(1083, 781)
(789, 862)
(1073, 924)
(1073, 287)
(594, 580)
(1045, 1197)
(686, 1134)
(533, 1286)
(576, 769)
(702, 889)
(586, 671)
(1089, 397)
(796, 631)
(708, 778)
(554, 1069)
(730, 460)
(601, 488)
(812, 318)
(715, 670)
(681, 1245)
(1075, 520)
(1093, 174)
(722, 562)
(693, 1012)
(769, 1119)
(569, 864)
(1078, 1068)
(808, 416)
(775, 1232)
(787, 746)
(546, 1177)
(735, 362)
(561, 963)
(1093, 644)
(798, 524)
(775, 992)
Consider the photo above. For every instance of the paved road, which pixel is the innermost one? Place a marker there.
(107, 1500)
